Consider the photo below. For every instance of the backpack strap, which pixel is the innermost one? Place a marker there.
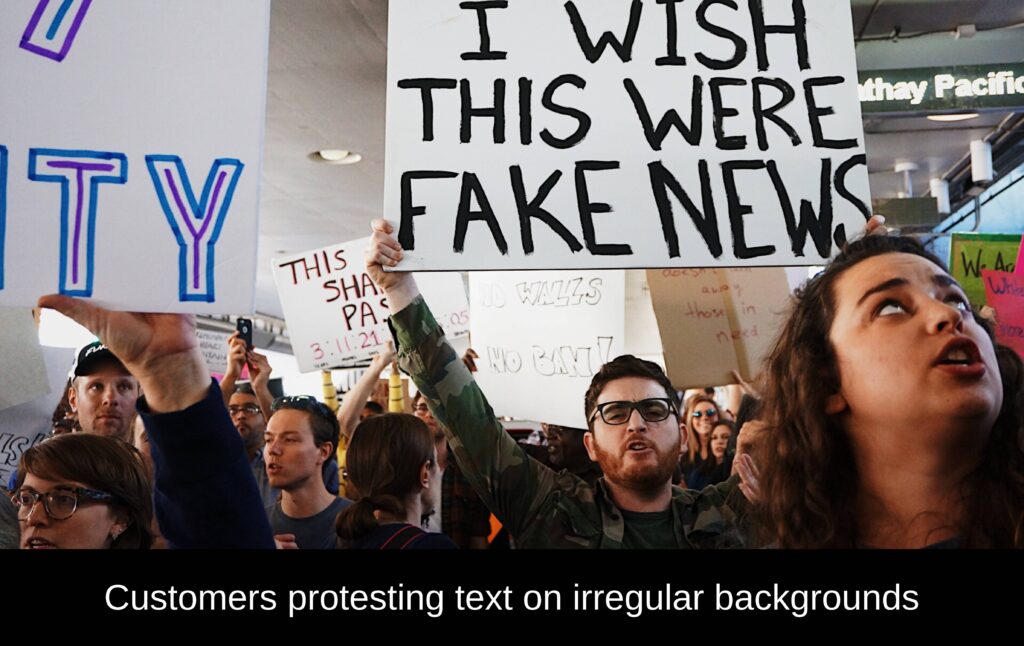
(402, 538)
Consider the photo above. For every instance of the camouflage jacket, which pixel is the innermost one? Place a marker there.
(540, 508)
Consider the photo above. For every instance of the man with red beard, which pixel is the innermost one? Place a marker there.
(632, 415)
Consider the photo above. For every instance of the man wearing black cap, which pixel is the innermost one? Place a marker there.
(103, 393)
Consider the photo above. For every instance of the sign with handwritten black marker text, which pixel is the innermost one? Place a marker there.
(614, 134)
(542, 336)
(970, 254)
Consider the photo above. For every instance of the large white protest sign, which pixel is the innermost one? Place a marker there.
(607, 133)
(542, 336)
(337, 316)
(130, 151)
(25, 425)
(714, 321)
(23, 376)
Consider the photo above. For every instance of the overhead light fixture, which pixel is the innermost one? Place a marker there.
(946, 118)
(335, 156)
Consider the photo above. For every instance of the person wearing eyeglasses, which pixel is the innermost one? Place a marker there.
(702, 413)
(197, 453)
(718, 465)
(83, 491)
(300, 439)
(633, 433)
(248, 419)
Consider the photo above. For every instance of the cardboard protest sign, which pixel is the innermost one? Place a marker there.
(25, 425)
(130, 151)
(23, 376)
(971, 253)
(542, 336)
(337, 316)
(714, 321)
(609, 134)
(1004, 292)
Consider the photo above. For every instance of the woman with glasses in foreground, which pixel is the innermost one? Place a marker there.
(83, 491)
(893, 419)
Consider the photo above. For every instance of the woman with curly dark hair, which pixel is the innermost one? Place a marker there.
(892, 417)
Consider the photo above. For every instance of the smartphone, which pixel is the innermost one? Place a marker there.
(245, 331)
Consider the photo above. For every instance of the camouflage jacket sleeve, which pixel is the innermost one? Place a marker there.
(513, 486)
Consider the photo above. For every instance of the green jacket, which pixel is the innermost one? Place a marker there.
(540, 508)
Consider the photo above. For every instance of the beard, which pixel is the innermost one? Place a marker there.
(641, 476)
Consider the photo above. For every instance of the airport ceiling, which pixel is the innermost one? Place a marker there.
(327, 80)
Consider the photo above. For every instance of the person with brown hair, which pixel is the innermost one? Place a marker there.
(700, 416)
(300, 439)
(83, 491)
(392, 463)
(103, 392)
(633, 433)
(892, 419)
(197, 453)
(717, 466)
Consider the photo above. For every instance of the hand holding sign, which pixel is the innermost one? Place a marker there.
(384, 251)
(160, 350)
(609, 134)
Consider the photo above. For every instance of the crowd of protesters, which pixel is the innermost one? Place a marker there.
(885, 416)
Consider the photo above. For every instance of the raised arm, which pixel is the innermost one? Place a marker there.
(259, 373)
(512, 485)
(205, 495)
(355, 398)
(233, 370)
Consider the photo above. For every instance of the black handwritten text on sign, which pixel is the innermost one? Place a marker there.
(613, 133)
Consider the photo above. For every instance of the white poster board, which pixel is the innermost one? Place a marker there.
(337, 316)
(542, 336)
(23, 373)
(214, 346)
(130, 151)
(25, 425)
(714, 321)
(605, 133)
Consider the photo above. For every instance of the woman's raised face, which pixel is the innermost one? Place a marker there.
(704, 416)
(910, 354)
(92, 525)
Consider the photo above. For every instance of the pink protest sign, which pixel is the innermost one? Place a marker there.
(1005, 292)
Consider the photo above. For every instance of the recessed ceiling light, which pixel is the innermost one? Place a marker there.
(335, 156)
(953, 117)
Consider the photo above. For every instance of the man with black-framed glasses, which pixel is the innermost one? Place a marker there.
(633, 433)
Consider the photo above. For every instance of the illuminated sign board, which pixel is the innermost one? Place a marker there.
(942, 89)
